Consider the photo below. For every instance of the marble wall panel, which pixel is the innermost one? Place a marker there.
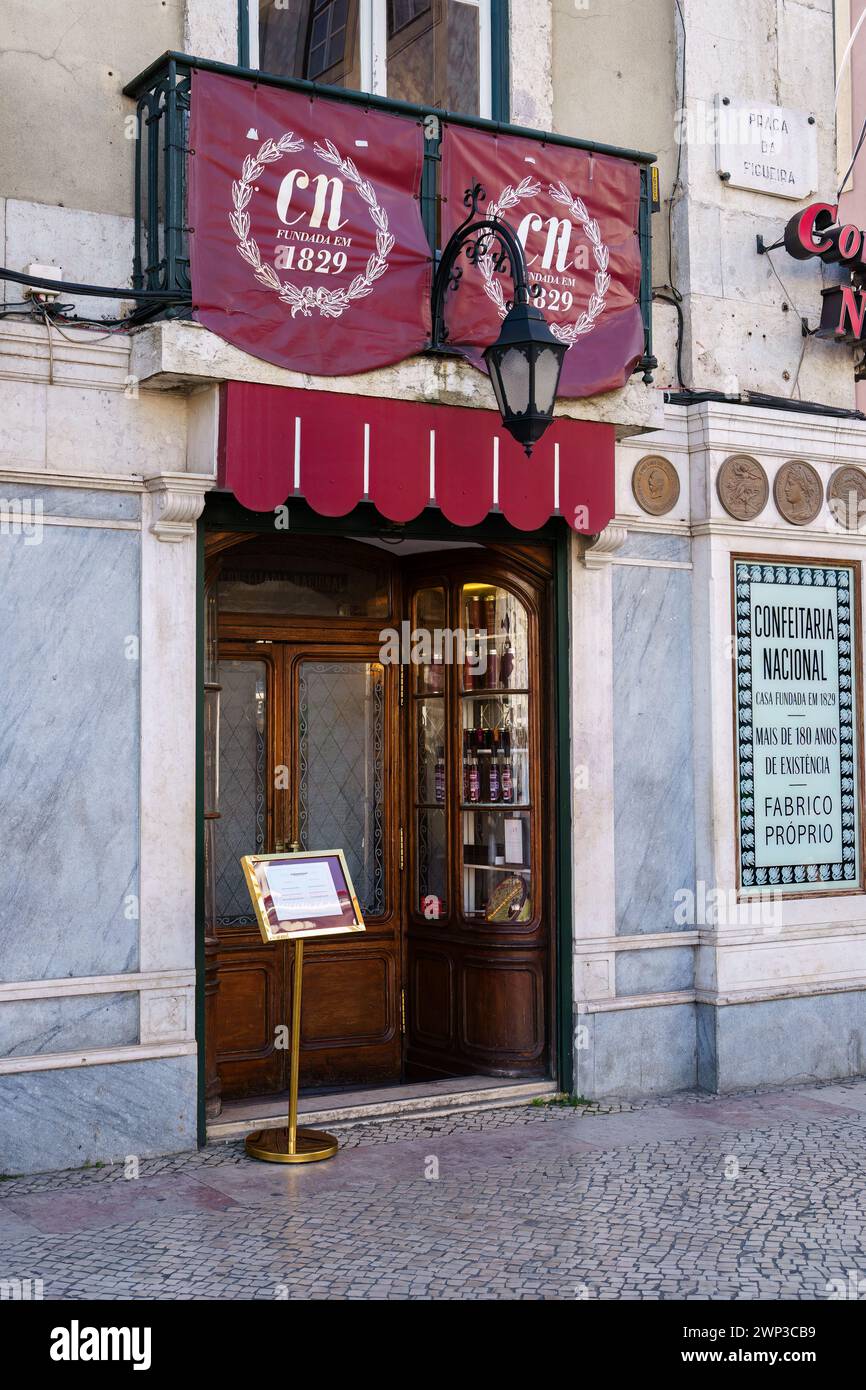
(69, 753)
(78, 1115)
(653, 779)
(30, 1027)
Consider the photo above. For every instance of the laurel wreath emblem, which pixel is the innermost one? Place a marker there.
(330, 303)
(509, 198)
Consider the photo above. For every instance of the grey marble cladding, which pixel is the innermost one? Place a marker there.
(99, 505)
(32, 1027)
(69, 753)
(77, 1115)
(645, 545)
(637, 1052)
(778, 1042)
(654, 971)
(654, 803)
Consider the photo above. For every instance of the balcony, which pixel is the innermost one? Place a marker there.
(162, 261)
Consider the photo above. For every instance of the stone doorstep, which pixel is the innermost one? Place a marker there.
(423, 1101)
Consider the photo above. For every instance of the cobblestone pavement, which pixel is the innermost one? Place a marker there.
(761, 1195)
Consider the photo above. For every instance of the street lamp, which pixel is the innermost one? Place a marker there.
(525, 362)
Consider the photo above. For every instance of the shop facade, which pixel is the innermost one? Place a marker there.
(545, 825)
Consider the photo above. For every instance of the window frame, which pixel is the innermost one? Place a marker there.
(373, 39)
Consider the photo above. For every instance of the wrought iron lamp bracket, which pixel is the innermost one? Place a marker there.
(479, 236)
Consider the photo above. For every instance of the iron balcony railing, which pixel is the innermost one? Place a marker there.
(162, 93)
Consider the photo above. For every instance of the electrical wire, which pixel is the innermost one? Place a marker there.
(677, 300)
(785, 289)
(794, 386)
(669, 294)
(677, 184)
(85, 327)
(47, 319)
(844, 61)
(841, 189)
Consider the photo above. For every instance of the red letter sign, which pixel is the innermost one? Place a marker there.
(801, 231)
(306, 241)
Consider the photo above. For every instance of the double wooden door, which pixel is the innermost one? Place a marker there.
(307, 740)
(432, 775)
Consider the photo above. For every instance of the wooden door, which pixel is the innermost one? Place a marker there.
(480, 906)
(308, 743)
(342, 730)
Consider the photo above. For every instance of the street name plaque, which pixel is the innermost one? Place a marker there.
(796, 715)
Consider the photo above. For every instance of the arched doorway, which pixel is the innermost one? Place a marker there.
(432, 772)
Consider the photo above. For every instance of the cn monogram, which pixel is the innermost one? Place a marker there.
(558, 243)
(329, 194)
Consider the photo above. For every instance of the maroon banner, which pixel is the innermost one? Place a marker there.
(307, 246)
(576, 214)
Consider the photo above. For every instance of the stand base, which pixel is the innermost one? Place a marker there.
(272, 1145)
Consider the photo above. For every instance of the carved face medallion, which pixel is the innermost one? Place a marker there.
(846, 496)
(655, 485)
(798, 493)
(742, 487)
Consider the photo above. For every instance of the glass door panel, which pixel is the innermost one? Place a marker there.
(495, 792)
(432, 856)
(495, 744)
(430, 623)
(430, 743)
(496, 626)
(341, 761)
(243, 762)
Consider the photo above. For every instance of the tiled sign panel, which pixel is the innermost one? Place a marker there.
(797, 727)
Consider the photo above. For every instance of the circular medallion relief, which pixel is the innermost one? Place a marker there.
(846, 496)
(655, 485)
(742, 487)
(798, 493)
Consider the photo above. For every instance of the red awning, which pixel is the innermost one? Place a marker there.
(336, 450)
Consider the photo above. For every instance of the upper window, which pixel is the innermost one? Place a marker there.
(429, 52)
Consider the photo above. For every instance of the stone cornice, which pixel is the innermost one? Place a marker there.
(75, 357)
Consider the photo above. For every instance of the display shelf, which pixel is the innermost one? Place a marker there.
(474, 739)
(495, 805)
(482, 692)
(498, 868)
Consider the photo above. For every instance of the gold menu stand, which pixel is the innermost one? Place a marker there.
(287, 1143)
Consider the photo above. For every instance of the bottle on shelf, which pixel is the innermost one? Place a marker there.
(507, 773)
(469, 668)
(492, 672)
(474, 779)
(490, 614)
(495, 781)
(440, 774)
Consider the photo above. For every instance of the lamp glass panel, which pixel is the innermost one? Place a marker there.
(514, 370)
(493, 361)
(547, 367)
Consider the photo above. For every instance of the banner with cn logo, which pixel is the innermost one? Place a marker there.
(306, 241)
(576, 214)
